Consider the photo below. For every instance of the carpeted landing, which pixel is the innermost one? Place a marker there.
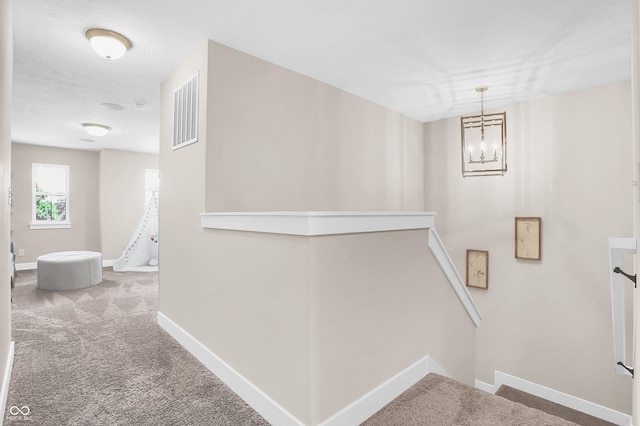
(97, 357)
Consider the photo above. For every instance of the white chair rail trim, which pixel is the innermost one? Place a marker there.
(317, 223)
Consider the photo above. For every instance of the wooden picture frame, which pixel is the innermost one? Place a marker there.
(478, 269)
(527, 238)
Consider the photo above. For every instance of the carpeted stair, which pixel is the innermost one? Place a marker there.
(440, 401)
(550, 407)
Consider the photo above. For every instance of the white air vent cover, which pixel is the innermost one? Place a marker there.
(185, 113)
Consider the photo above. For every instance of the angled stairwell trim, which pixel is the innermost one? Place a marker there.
(450, 271)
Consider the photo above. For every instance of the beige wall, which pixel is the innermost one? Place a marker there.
(380, 303)
(294, 145)
(6, 52)
(183, 179)
(122, 192)
(249, 304)
(281, 141)
(83, 209)
(546, 321)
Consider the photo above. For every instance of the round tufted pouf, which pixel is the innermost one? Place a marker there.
(69, 270)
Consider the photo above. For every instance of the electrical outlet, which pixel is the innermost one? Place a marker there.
(20, 252)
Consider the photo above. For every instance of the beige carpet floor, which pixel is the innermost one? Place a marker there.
(97, 357)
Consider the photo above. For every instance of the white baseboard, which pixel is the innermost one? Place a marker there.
(370, 403)
(485, 387)
(353, 414)
(258, 400)
(558, 397)
(4, 391)
(28, 266)
(434, 367)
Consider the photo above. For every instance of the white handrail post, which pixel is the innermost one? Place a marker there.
(618, 247)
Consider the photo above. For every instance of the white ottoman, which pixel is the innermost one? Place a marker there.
(69, 270)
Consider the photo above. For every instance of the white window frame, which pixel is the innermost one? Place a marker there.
(48, 224)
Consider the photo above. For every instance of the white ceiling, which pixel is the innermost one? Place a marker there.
(422, 58)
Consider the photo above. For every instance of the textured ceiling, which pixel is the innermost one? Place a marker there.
(422, 58)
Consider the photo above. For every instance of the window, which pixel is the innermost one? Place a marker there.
(151, 184)
(50, 196)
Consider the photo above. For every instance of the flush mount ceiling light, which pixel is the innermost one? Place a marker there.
(96, 129)
(108, 44)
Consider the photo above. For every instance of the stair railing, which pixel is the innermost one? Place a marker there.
(618, 247)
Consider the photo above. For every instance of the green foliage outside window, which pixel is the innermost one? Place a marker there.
(50, 207)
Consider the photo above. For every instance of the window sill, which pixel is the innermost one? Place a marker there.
(56, 225)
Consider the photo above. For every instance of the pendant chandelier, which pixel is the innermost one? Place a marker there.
(484, 142)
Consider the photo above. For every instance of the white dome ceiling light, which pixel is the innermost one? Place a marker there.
(96, 129)
(108, 44)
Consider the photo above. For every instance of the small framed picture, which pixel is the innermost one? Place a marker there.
(528, 237)
(478, 269)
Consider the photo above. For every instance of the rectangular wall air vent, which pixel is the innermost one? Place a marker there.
(185, 113)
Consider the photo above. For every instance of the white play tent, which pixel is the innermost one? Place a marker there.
(141, 253)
